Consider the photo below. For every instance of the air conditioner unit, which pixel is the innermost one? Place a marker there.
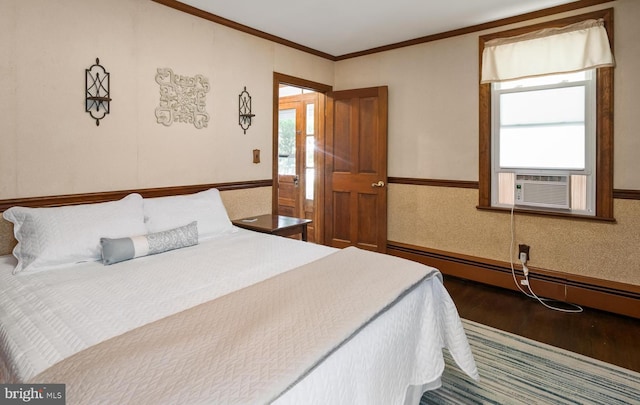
(542, 190)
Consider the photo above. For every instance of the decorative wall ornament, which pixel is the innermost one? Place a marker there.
(97, 91)
(244, 107)
(182, 99)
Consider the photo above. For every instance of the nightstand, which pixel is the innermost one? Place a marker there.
(275, 225)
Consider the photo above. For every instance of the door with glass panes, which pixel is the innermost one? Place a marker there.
(296, 163)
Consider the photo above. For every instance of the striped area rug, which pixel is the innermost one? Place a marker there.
(517, 370)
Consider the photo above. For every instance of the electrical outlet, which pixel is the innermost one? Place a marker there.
(524, 249)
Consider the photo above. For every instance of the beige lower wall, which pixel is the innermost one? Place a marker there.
(239, 204)
(7, 241)
(247, 202)
(446, 219)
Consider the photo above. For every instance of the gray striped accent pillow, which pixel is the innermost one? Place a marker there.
(121, 249)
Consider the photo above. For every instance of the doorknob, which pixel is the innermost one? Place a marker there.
(296, 180)
(378, 184)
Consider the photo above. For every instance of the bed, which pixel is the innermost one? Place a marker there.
(163, 300)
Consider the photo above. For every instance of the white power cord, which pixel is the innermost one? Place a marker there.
(525, 280)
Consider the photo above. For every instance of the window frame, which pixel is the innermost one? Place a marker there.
(604, 126)
(589, 85)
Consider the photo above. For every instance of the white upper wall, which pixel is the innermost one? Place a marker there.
(626, 137)
(433, 101)
(433, 114)
(51, 146)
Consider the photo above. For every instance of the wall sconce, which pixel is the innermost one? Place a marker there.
(244, 107)
(96, 84)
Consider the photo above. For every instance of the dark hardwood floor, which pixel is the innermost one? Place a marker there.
(601, 335)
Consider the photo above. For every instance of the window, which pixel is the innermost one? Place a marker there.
(545, 126)
(526, 138)
(287, 142)
(311, 152)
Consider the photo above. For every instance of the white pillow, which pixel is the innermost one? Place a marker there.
(53, 237)
(205, 207)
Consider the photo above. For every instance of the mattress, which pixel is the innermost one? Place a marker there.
(48, 316)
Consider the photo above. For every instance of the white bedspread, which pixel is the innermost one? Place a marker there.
(45, 317)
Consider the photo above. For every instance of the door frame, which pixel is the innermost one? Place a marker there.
(321, 89)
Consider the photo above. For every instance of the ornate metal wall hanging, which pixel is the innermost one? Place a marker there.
(182, 99)
(97, 91)
(244, 106)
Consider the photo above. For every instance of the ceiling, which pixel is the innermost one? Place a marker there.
(341, 27)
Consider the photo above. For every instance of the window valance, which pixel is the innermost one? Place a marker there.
(572, 48)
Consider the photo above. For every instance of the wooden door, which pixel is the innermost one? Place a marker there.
(296, 158)
(356, 169)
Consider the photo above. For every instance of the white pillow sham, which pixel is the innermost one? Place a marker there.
(205, 207)
(53, 237)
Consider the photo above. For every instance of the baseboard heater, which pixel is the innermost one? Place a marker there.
(619, 298)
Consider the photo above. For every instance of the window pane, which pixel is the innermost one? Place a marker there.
(310, 182)
(310, 119)
(579, 192)
(287, 141)
(286, 165)
(558, 105)
(310, 151)
(289, 91)
(544, 80)
(543, 147)
(506, 189)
